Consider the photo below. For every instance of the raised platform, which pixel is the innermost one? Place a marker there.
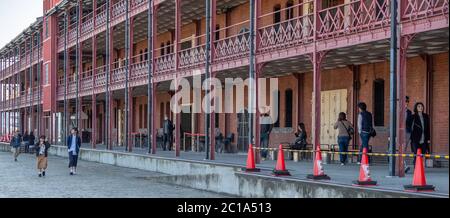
(225, 176)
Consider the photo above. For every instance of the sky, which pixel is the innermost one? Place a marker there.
(16, 16)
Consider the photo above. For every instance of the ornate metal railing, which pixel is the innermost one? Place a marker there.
(235, 46)
(419, 9)
(353, 17)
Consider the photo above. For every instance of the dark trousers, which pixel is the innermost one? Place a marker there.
(167, 142)
(73, 160)
(416, 146)
(343, 147)
(264, 144)
(365, 138)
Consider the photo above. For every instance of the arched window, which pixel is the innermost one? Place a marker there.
(168, 47)
(277, 13)
(217, 33)
(277, 16)
(289, 10)
(146, 54)
(244, 32)
(163, 49)
(378, 102)
(288, 104)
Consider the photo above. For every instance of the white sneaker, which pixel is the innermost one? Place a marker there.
(342, 164)
(359, 163)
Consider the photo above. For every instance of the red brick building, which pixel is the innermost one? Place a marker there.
(90, 59)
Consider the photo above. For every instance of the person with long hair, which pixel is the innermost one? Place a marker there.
(345, 132)
(420, 130)
(42, 147)
(300, 137)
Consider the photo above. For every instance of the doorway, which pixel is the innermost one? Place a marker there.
(243, 131)
(332, 103)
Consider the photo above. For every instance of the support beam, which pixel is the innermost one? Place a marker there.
(258, 72)
(94, 97)
(355, 97)
(109, 58)
(399, 117)
(177, 65)
(65, 68)
(251, 72)
(429, 93)
(151, 44)
(393, 89)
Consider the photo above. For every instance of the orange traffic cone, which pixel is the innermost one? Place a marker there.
(251, 166)
(419, 180)
(364, 172)
(280, 169)
(318, 172)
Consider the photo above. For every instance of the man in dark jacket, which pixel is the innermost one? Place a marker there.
(408, 130)
(266, 128)
(168, 128)
(365, 127)
(73, 146)
(15, 143)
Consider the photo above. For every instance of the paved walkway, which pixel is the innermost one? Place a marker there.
(19, 179)
(438, 177)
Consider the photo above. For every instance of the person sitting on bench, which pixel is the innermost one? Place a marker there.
(300, 138)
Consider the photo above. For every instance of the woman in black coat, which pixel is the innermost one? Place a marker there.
(420, 130)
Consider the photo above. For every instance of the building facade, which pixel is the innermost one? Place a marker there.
(106, 67)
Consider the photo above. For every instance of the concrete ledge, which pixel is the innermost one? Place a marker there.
(229, 179)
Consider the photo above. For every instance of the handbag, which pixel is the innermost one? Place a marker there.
(350, 130)
(373, 133)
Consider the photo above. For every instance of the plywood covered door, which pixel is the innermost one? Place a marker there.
(333, 103)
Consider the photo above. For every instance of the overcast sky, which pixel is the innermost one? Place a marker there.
(16, 16)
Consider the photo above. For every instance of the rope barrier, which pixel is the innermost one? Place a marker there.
(360, 153)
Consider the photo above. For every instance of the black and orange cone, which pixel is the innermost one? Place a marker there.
(419, 180)
(251, 166)
(318, 172)
(364, 172)
(280, 168)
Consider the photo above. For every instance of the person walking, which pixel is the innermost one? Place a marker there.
(168, 128)
(42, 147)
(266, 128)
(15, 143)
(73, 146)
(25, 140)
(408, 131)
(31, 138)
(420, 130)
(345, 134)
(365, 128)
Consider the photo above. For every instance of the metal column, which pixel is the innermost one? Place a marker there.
(39, 105)
(78, 62)
(251, 73)
(151, 40)
(393, 89)
(128, 146)
(208, 123)
(66, 65)
(177, 65)
(258, 70)
(94, 71)
(107, 72)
